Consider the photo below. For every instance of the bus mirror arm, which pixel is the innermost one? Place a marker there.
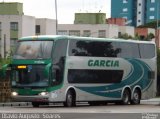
(47, 70)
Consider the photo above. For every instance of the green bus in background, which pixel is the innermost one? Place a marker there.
(51, 69)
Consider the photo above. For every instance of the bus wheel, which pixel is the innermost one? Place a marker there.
(35, 104)
(136, 97)
(70, 99)
(126, 97)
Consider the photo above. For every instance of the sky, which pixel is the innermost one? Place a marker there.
(65, 8)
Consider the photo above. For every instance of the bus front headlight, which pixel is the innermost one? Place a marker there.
(43, 93)
(14, 93)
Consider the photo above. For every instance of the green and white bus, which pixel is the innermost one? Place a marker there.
(67, 69)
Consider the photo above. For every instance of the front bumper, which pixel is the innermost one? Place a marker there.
(35, 98)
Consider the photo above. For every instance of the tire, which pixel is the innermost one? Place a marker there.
(126, 97)
(35, 104)
(70, 99)
(136, 97)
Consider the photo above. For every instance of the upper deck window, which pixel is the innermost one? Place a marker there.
(33, 50)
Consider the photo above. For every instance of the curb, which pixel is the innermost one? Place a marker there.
(154, 101)
(15, 104)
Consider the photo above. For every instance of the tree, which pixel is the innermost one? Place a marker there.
(152, 24)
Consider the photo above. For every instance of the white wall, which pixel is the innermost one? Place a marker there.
(28, 26)
(47, 26)
(150, 30)
(111, 30)
(140, 8)
(127, 29)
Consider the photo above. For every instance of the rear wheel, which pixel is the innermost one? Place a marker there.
(70, 99)
(136, 97)
(126, 97)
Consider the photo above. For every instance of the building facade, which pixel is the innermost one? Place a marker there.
(90, 18)
(88, 30)
(14, 24)
(137, 12)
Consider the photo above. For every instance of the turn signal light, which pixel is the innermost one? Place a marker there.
(22, 67)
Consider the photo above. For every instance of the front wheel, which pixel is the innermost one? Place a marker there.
(136, 97)
(70, 99)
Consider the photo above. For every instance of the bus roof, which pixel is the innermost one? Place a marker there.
(57, 37)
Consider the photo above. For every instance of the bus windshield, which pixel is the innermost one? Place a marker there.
(33, 50)
(33, 76)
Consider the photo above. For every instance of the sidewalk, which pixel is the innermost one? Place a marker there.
(154, 101)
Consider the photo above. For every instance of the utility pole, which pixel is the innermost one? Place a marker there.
(56, 17)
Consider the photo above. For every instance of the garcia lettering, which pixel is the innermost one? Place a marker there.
(103, 63)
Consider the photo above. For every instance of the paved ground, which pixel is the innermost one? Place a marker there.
(154, 101)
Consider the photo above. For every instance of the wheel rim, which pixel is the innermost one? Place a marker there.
(136, 97)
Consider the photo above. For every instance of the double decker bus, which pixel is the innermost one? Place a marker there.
(68, 69)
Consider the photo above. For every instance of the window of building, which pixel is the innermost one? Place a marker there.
(14, 26)
(101, 33)
(13, 42)
(62, 32)
(38, 29)
(74, 33)
(152, 1)
(139, 12)
(139, 20)
(125, 1)
(125, 9)
(152, 9)
(139, 4)
(125, 17)
(86, 33)
(151, 17)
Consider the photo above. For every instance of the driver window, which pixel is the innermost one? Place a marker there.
(59, 54)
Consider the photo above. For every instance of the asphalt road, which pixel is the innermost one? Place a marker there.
(110, 111)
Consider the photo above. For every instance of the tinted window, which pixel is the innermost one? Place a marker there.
(94, 76)
(147, 50)
(129, 50)
(93, 48)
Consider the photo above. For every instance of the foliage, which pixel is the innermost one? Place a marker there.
(149, 37)
(4, 61)
(152, 24)
(125, 36)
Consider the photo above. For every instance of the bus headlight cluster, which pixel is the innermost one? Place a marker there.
(14, 93)
(43, 93)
